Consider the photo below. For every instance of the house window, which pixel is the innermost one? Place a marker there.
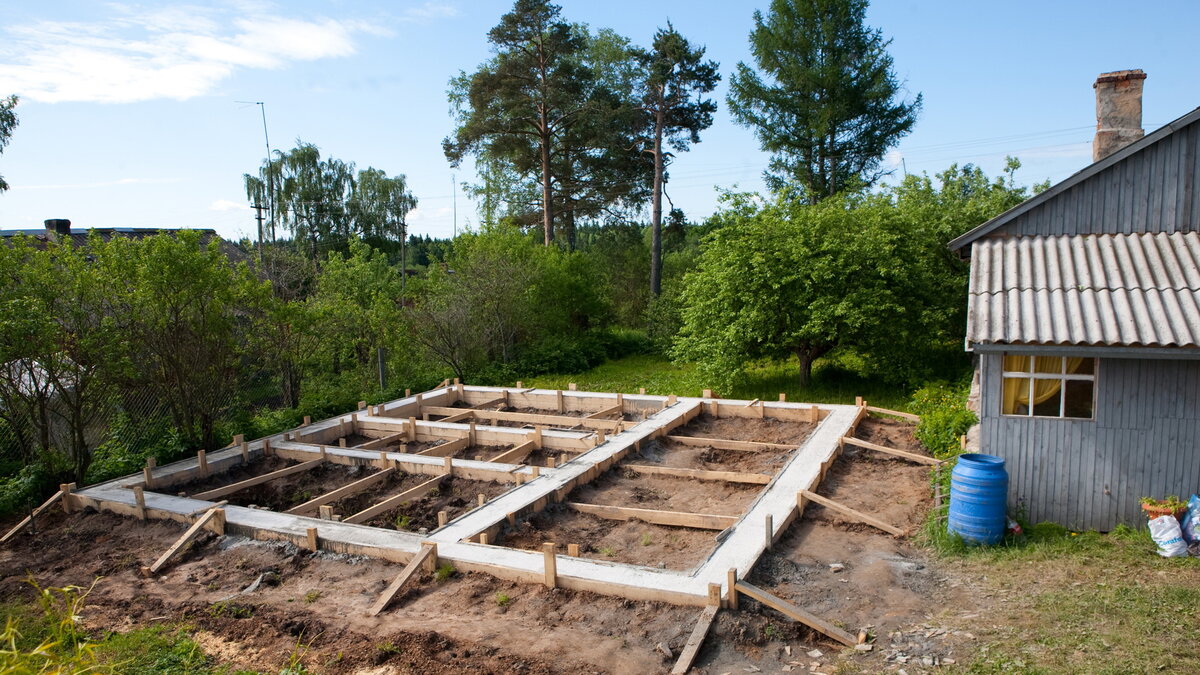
(1049, 386)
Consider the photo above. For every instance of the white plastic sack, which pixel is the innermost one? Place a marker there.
(1191, 521)
(1166, 533)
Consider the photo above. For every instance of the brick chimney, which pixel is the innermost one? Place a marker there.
(58, 227)
(1118, 111)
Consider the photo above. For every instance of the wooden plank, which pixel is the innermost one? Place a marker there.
(724, 444)
(560, 421)
(191, 533)
(376, 443)
(702, 474)
(803, 616)
(29, 519)
(856, 515)
(410, 570)
(700, 521)
(447, 449)
(503, 400)
(618, 408)
(923, 459)
(895, 413)
(259, 480)
(391, 502)
(344, 491)
(516, 455)
(692, 648)
(464, 415)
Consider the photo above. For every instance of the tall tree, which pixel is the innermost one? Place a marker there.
(826, 105)
(8, 122)
(675, 112)
(524, 99)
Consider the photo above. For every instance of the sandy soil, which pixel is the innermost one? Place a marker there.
(849, 574)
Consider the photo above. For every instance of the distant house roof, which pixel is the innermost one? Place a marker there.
(79, 236)
(1075, 179)
(1138, 290)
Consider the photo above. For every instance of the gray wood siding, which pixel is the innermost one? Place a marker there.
(1155, 190)
(1089, 474)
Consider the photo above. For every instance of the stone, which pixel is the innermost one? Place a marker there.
(816, 654)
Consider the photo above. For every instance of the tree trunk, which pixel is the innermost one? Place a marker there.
(808, 355)
(547, 201)
(656, 209)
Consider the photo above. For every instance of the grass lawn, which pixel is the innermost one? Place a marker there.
(1066, 602)
(831, 384)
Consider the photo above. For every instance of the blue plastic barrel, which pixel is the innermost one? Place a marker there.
(978, 493)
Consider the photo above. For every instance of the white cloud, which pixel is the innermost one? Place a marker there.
(227, 205)
(430, 10)
(421, 216)
(177, 53)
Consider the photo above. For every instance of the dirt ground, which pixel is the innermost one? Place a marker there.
(844, 572)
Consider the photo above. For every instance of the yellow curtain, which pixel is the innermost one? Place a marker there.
(1016, 390)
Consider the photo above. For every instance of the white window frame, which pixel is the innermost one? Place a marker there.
(1062, 376)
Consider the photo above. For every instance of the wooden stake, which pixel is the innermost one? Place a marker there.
(342, 442)
(731, 597)
(551, 565)
(572, 386)
(714, 595)
(573, 550)
(412, 429)
(782, 397)
(325, 511)
(184, 540)
(856, 515)
(139, 496)
(448, 464)
(858, 401)
(307, 420)
(362, 405)
(443, 518)
(147, 476)
(483, 538)
(520, 384)
(807, 618)
(559, 395)
(770, 532)
(708, 393)
(54, 499)
(267, 452)
(67, 500)
(313, 543)
(481, 498)
(642, 391)
(671, 400)
(245, 452)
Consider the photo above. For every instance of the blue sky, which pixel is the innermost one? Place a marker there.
(129, 114)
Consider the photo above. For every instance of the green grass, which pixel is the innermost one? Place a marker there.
(831, 383)
(1081, 602)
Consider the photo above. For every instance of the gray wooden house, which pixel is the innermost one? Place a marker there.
(1084, 314)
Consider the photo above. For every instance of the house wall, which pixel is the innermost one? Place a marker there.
(1154, 190)
(1089, 474)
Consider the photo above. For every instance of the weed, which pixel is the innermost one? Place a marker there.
(646, 539)
(312, 596)
(229, 609)
(403, 521)
(446, 571)
(388, 648)
(608, 551)
(295, 664)
(213, 586)
(772, 632)
(502, 599)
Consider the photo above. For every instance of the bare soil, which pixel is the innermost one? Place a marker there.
(621, 486)
(455, 496)
(766, 430)
(632, 542)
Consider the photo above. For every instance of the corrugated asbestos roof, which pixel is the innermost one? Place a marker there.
(1140, 290)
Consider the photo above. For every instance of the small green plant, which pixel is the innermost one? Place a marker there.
(295, 664)
(445, 572)
(646, 539)
(772, 632)
(608, 551)
(229, 609)
(312, 596)
(435, 492)
(403, 521)
(388, 647)
(1172, 502)
(502, 599)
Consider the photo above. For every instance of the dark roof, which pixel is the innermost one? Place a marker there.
(1075, 179)
(79, 236)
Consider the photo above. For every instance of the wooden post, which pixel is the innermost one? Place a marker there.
(559, 395)
(731, 598)
(313, 543)
(147, 476)
(139, 496)
(858, 401)
(671, 400)
(218, 522)
(572, 387)
(483, 538)
(307, 420)
(443, 518)
(520, 384)
(714, 594)
(407, 393)
(362, 405)
(551, 565)
(481, 498)
(782, 397)
(535, 470)
(431, 563)
(324, 452)
(267, 447)
(326, 512)
(573, 550)
(621, 403)
(412, 430)
(245, 452)
(707, 393)
(642, 391)
(762, 410)
(238, 439)
(448, 463)
(471, 433)
(202, 459)
(67, 500)
(342, 442)
(537, 437)
(770, 532)
(599, 437)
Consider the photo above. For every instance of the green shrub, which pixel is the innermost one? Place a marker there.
(944, 417)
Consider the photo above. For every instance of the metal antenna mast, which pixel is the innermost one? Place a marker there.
(262, 107)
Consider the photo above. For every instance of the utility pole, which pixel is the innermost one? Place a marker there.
(262, 107)
(258, 215)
